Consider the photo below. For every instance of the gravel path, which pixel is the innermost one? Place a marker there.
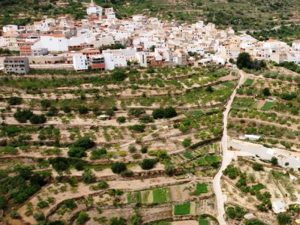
(226, 157)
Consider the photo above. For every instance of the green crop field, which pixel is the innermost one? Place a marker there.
(182, 209)
(161, 195)
(267, 106)
(201, 188)
(203, 222)
(188, 155)
(248, 82)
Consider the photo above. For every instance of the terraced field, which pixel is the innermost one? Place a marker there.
(268, 106)
(130, 145)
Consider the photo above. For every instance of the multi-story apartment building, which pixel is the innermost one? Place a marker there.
(16, 65)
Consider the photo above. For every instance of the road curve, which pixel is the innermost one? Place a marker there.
(227, 156)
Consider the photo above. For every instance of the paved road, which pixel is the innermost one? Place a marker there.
(227, 156)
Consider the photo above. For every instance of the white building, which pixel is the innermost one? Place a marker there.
(94, 9)
(119, 58)
(278, 206)
(80, 62)
(52, 43)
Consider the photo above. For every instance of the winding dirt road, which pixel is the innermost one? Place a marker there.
(226, 157)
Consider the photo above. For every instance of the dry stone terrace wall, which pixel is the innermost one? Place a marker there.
(73, 105)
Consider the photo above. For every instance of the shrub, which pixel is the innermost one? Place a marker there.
(169, 169)
(52, 111)
(110, 112)
(98, 153)
(284, 219)
(42, 204)
(186, 142)
(15, 100)
(76, 152)
(274, 161)
(45, 103)
(38, 119)
(144, 149)
(66, 109)
(258, 167)
(170, 112)
(88, 177)
(136, 112)
(100, 185)
(118, 75)
(158, 113)
(117, 221)
(82, 218)
(137, 128)
(23, 115)
(266, 92)
(70, 204)
(132, 148)
(235, 212)
(84, 142)
(146, 119)
(60, 163)
(83, 110)
(118, 167)
(148, 164)
(232, 172)
(121, 119)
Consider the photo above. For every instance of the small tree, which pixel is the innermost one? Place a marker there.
(118, 167)
(266, 92)
(38, 119)
(117, 221)
(82, 218)
(244, 61)
(186, 142)
(15, 100)
(158, 113)
(88, 177)
(170, 112)
(148, 164)
(258, 167)
(45, 103)
(84, 142)
(118, 75)
(274, 161)
(77, 152)
(284, 219)
(121, 119)
(23, 115)
(83, 110)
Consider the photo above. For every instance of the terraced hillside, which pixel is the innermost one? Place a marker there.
(135, 145)
(268, 105)
(253, 188)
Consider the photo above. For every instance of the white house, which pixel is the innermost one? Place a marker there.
(119, 57)
(94, 9)
(52, 43)
(278, 206)
(80, 62)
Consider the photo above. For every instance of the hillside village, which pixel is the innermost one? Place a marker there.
(140, 121)
(103, 42)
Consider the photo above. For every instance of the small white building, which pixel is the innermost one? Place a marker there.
(94, 9)
(80, 62)
(278, 206)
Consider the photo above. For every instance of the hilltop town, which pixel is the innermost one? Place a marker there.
(103, 42)
(141, 121)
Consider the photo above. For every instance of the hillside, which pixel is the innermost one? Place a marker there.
(241, 14)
